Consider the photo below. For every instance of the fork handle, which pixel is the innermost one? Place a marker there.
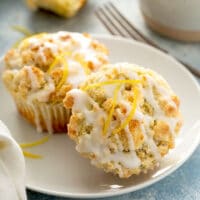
(190, 68)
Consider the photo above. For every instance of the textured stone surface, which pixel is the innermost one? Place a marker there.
(183, 184)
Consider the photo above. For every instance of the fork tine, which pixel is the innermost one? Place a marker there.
(131, 26)
(114, 22)
(121, 23)
(105, 23)
(194, 70)
(111, 22)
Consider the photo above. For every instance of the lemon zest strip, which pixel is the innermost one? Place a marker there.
(107, 123)
(31, 155)
(35, 143)
(109, 83)
(83, 64)
(65, 70)
(22, 30)
(16, 44)
(57, 59)
(134, 105)
(53, 64)
(65, 74)
(131, 114)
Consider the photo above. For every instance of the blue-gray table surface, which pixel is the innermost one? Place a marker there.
(184, 184)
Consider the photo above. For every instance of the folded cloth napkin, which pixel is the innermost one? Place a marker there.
(12, 167)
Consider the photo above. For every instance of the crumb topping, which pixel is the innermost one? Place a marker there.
(51, 64)
(124, 118)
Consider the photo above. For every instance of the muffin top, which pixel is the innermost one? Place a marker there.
(124, 118)
(44, 67)
(65, 8)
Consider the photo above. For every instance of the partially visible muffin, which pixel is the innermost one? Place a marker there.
(124, 118)
(64, 8)
(40, 71)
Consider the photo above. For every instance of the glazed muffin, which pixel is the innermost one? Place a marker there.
(64, 8)
(124, 118)
(40, 71)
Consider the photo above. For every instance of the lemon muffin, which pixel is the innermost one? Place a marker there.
(124, 118)
(40, 71)
(64, 8)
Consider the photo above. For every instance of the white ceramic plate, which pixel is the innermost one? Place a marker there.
(63, 172)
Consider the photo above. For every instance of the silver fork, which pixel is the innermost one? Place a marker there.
(117, 24)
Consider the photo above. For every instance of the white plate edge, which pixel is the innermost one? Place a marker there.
(142, 185)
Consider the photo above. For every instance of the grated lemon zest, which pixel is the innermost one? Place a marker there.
(131, 114)
(109, 83)
(107, 123)
(31, 155)
(35, 143)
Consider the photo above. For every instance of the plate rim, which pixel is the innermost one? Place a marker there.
(149, 182)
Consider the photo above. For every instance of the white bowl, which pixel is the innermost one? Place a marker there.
(178, 19)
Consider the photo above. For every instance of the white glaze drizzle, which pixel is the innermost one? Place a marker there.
(36, 117)
(77, 73)
(158, 112)
(54, 43)
(98, 144)
(81, 45)
(95, 142)
(33, 78)
(42, 94)
(47, 117)
(76, 44)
